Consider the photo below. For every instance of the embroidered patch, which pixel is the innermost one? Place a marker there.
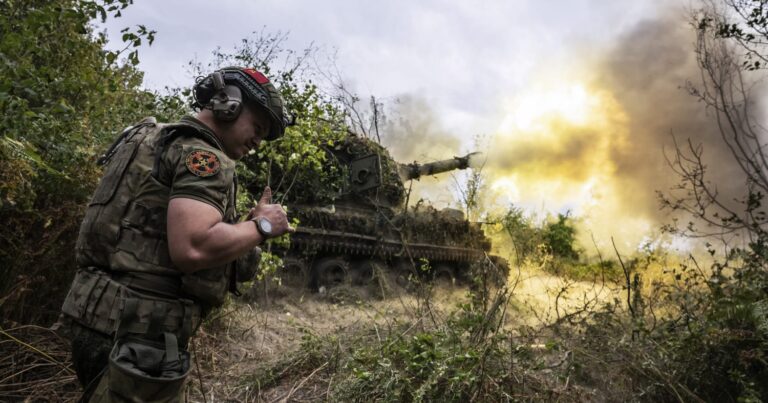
(203, 163)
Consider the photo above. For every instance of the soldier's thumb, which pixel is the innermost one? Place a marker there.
(266, 197)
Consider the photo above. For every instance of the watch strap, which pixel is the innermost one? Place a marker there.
(258, 228)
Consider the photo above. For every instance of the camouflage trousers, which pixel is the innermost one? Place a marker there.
(127, 346)
(129, 370)
(90, 356)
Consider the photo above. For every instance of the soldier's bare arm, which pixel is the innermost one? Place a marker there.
(199, 239)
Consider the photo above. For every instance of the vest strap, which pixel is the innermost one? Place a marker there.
(127, 316)
(171, 347)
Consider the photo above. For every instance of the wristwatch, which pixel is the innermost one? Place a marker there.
(264, 226)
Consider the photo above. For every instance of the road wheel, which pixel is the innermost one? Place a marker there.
(364, 272)
(295, 273)
(329, 272)
(444, 275)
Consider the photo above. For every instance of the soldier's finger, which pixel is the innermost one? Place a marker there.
(266, 197)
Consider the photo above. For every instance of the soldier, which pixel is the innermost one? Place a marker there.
(160, 235)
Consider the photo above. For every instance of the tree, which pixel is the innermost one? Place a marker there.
(525, 237)
(560, 237)
(471, 186)
(720, 333)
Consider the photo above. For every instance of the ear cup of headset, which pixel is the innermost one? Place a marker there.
(227, 103)
(207, 87)
(204, 91)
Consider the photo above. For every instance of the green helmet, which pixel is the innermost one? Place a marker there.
(224, 91)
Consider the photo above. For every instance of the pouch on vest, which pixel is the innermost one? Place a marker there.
(144, 371)
(248, 265)
(100, 303)
(211, 285)
(119, 157)
(208, 286)
(94, 300)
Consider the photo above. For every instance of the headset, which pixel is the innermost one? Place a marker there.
(224, 100)
(225, 90)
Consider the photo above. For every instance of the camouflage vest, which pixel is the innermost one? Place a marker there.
(124, 229)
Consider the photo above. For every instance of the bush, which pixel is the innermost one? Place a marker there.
(62, 97)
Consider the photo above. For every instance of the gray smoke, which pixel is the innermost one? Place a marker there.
(647, 72)
(415, 134)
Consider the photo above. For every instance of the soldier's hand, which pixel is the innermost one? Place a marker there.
(272, 212)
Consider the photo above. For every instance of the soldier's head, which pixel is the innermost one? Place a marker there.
(243, 106)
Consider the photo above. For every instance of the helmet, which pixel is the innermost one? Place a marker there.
(224, 91)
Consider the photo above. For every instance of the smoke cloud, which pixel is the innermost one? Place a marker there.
(588, 138)
(416, 135)
(595, 145)
(646, 73)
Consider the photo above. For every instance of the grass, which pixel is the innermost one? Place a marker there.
(582, 343)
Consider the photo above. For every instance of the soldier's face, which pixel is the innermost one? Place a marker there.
(245, 133)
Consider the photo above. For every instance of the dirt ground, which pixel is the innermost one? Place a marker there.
(252, 336)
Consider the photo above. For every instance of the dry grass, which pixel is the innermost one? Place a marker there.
(35, 366)
(253, 351)
(246, 345)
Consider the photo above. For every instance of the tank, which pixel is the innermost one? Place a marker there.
(366, 230)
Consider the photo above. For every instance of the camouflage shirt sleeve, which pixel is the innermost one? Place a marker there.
(200, 172)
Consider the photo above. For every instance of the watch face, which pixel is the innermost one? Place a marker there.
(265, 225)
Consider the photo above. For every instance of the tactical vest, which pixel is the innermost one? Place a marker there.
(124, 229)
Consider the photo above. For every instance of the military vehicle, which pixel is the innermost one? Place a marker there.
(367, 229)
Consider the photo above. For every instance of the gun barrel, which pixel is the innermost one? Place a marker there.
(416, 170)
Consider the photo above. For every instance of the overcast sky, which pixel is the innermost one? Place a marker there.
(464, 58)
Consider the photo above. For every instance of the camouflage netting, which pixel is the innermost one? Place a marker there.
(425, 224)
(391, 192)
(331, 184)
(320, 187)
(338, 220)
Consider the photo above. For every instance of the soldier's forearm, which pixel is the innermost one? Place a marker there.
(221, 244)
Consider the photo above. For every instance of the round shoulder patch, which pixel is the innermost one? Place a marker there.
(203, 163)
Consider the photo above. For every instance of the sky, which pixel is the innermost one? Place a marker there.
(574, 101)
(460, 57)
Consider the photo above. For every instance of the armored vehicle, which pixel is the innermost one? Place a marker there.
(367, 229)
